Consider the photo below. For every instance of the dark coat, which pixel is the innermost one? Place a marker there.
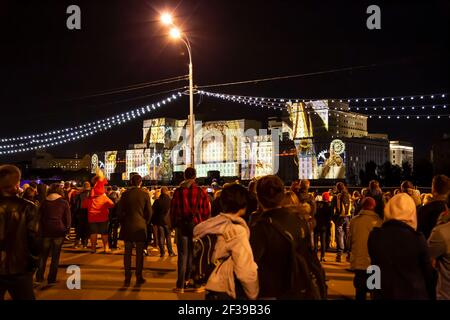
(134, 212)
(271, 250)
(161, 211)
(323, 216)
(427, 216)
(379, 202)
(216, 207)
(19, 236)
(55, 218)
(405, 264)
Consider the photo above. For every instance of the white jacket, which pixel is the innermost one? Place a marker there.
(232, 240)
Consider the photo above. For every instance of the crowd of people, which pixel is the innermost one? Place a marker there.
(265, 240)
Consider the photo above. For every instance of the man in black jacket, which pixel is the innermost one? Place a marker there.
(271, 250)
(134, 211)
(19, 238)
(427, 215)
(161, 218)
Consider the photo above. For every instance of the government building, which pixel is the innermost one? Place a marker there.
(317, 140)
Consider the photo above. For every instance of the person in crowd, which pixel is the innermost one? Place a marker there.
(356, 202)
(19, 246)
(323, 221)
(215, 204)
(232, 248)
(98, 205)
(408, 188)
(22, 190)
(252, 205)
(401, 253)
(161, 219)
(341, 206)
(41, 192)
(439, 246)
(428, 214)
(374, 191)
(360, 228)
(386, 197)
(154, 226)
(69, 191)
(304, 196)
(189, 206)
(270, 247)
(113, 226)
(55, 220)
(134, 212)
(295, 186)
(302, 210)
(30, 195)
(81, 216)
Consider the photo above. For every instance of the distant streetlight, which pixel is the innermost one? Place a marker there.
(166, 19)
(175, 33)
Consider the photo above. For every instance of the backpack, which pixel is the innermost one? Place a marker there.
(307, 278)
(202, 261)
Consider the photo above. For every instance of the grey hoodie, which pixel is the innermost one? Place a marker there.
(233, 240)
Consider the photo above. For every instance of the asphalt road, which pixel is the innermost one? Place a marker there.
(102, 278)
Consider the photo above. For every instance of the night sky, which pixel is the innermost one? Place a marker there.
(47, 70)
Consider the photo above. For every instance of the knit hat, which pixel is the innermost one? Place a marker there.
(368, 203)
(401, 207)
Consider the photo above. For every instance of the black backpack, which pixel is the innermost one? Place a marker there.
(307, 277)
(202, 261)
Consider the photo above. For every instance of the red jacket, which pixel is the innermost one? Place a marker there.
(98, 203)
(185, 199)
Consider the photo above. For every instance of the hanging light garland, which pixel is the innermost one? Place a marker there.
(61, 136)
(130, 114)
(425, 97)
(284, 104)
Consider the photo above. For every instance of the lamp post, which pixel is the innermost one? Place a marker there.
(175, 33)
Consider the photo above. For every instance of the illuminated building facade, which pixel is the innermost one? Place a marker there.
(44, 160)
(324, 140)
(400, 152)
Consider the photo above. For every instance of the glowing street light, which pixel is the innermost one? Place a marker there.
(166, 18)
(175, 33)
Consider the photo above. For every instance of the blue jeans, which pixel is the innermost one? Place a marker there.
(53, 246)
(185, 247)
(164, 235)
(342, 230)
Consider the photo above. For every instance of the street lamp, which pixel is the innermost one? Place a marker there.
(175, 33)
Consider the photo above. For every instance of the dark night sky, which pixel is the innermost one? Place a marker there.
(45, 67)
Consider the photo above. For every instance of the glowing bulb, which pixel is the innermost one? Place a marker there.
(175, 33)
(166, 18)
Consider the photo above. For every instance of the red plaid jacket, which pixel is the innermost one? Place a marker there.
(184, 201)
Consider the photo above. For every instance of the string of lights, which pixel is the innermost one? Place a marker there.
(283, 104)
(130, 114)
(420, 97)
(57, 137)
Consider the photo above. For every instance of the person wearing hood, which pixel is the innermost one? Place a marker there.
(55, 220)
(232, 247)
(402, 254)
(98, 205)
(360, 228)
